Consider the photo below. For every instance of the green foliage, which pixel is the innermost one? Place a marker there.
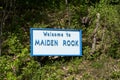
(10, 76)
(115, 75)
(114, 50)
(86, 76)
(38, 25)
(77, 14)
(86, 52)
(19, 15)
(4, 66)
(12, 45)
(20, 66)
(97, 65)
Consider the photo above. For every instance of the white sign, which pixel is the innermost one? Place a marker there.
(55, 42)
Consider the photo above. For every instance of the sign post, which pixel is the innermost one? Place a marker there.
(55, 42)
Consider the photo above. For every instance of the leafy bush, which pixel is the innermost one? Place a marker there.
(115, 75)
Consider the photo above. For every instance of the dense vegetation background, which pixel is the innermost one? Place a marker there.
(98, 19)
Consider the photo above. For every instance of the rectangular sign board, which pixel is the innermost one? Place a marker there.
(55, 42)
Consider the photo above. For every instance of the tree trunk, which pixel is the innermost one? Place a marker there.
(68, 13)
(95, 34)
